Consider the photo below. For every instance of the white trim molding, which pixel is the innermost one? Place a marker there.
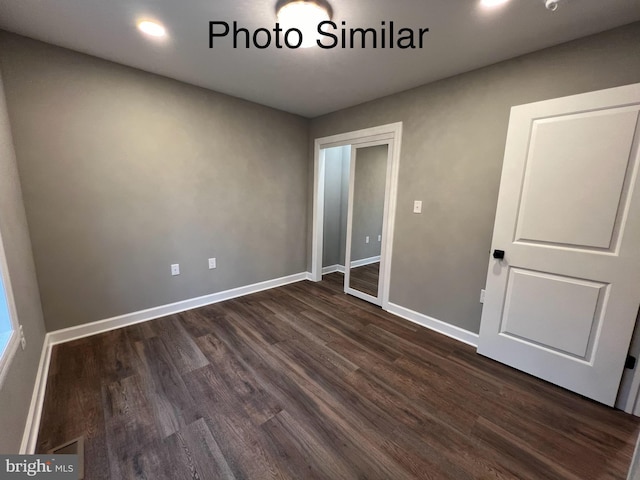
(340, 268)
(93, 328)
(330, 269)
(365, 261)
(457, 333)
(30, 435)
(56, 337)
(391, 132)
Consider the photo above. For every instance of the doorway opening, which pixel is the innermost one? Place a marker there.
(355, 190)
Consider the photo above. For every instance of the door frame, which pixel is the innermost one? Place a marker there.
(392, 132)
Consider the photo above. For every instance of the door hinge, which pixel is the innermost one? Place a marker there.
(630, 363)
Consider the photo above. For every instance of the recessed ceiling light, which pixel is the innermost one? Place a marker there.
(492, 3)
(152, 28)
(305, 15)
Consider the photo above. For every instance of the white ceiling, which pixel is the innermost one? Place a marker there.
(310, 82)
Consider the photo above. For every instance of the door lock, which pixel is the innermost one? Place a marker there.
(498, 254)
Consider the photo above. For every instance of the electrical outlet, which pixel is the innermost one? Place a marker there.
(175, 269)
(482, 293)
(379, 238)
(417, 206)
(23, 340)
(366, 239)
(212, 263)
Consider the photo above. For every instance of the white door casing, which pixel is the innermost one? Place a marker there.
(392, 132)
(562, 304)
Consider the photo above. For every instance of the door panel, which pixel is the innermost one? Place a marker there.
(572, 187)
(577, 301)
(367, 219)
(563, 302)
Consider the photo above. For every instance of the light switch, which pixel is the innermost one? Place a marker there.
(417, 206)
(366, 239)
(175, 269)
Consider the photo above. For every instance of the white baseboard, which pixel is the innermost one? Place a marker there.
(457, 333)
(333, 268)
(93, 328)
(30, 435)
(354, 264)
(32, 425)
(365, 261)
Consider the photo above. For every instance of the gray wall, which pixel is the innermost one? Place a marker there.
(452, 147)
(331, 229)
(336, 189)
(344, 202)
(368, 201)
(124, 173)
(15, 393)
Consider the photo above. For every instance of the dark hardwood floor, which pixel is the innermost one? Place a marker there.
(304, 382)
(365, 278)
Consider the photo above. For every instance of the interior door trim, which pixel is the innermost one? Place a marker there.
(392, 132)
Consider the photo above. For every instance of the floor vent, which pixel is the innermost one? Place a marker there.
(74, 447)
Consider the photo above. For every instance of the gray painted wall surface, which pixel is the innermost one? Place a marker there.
(15, 393)
(452, 148)
(344, 202)
(333, 229)
(368, 201)
(125, 172)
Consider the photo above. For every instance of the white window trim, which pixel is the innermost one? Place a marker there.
(9, 352)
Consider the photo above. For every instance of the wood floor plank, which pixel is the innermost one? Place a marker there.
(115, 353)
(130, 421)
(299, 397)
(79, 375)
(164, 386)
(179, 344)
(304, 381)
(331, 388)
(257, 403)
(424, 429)
(198, 453)
(300, 455)
(197, 322)
(244, 446)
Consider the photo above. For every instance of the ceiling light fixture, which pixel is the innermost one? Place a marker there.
(551, 5)
(152, 28)
(492, 3)
(305, 15)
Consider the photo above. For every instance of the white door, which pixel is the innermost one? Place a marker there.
(562, 303)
